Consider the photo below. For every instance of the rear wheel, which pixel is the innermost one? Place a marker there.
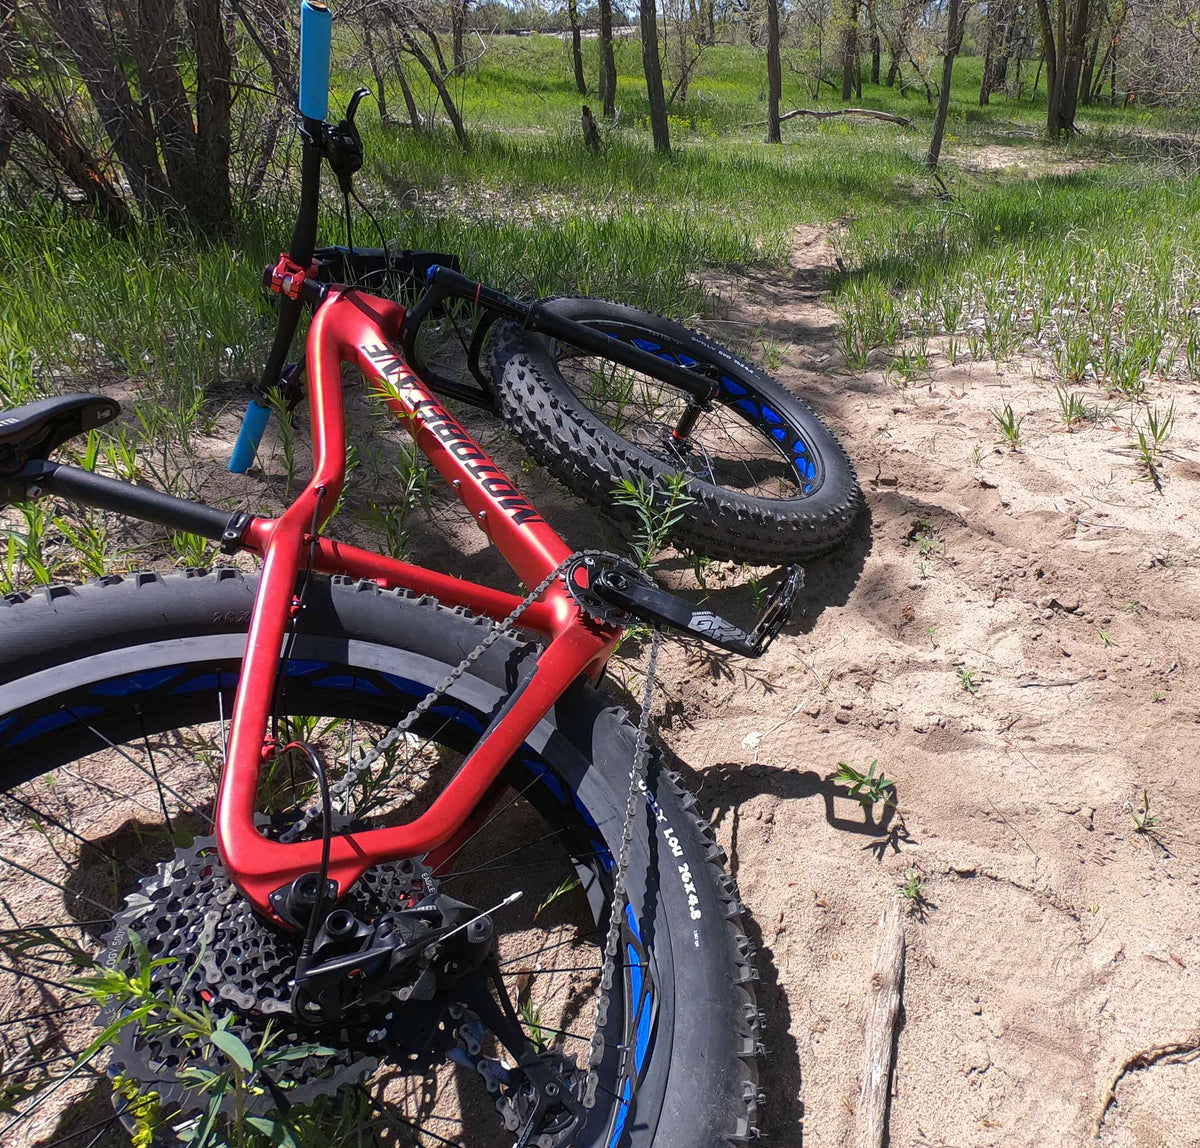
(767, 479)
(114, 700)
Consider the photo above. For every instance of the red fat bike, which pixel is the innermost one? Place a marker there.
(369, 829)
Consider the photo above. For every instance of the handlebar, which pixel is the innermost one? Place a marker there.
(316, 37)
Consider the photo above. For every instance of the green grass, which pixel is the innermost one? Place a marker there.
(1095, 268)
(1096, 271)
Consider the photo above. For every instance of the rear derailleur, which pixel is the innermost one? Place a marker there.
(431, 967)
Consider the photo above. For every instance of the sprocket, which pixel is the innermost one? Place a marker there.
(581, 571)
(226, 959)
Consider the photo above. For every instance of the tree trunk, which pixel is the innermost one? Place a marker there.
(876, 45)
(608, 63)
(435, 78)
(210, 201)
(989, 64)
(126, 123)
(432, 37)
(1008, 30)
(1073, 67)
(376, 71)
(576, 49)
(953, 39)
(77, 165)
(774, 74)
(1089, 64)
(849, 51)
(893, 66)
(652, 66)
(1050, 58)
(414, 114)
(458, 21)
(156, 48)
(1063, 41)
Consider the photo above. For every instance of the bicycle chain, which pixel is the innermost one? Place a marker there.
(356, 768)
(612, 944)
(637, 785)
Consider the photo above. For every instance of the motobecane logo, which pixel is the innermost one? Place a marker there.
(433, 415)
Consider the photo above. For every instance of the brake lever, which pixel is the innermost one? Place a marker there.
(343, 144)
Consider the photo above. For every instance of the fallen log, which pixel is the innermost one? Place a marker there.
(883, 1008)
(824, 114)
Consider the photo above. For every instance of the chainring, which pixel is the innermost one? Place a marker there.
(224, 958)
(581, 571)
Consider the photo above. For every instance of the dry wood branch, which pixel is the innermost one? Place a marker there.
(883, 1007)
(1181, 1052)
(824, 114)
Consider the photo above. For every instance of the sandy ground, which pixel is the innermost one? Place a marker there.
(1053, 943)
(1056, 942)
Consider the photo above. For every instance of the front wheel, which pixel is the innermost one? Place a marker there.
(766, 479)
(114, 701)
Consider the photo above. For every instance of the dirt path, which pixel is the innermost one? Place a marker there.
(1010, 636)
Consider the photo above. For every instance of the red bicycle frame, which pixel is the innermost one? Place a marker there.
(350, 327)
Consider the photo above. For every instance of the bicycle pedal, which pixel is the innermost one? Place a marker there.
(661, 608)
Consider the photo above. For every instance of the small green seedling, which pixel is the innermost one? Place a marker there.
(1144, 821)
(1010, 425)
(913, 888)
(969, 680)
(1074, 409)
(1105, 637)
(868, 787)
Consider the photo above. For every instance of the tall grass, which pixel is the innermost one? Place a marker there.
(1097, 272)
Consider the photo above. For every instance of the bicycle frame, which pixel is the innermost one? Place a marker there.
(350, 327)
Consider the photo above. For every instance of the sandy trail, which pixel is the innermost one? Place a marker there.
(1057, 941)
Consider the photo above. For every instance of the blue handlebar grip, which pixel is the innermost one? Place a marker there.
(316, 32)
(253, 425)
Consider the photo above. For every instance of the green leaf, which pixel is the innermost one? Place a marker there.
(233, 1048)
(275, 1129)
(204, 1129)
(107, 1035)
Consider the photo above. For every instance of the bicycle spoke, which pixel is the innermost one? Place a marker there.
(52, 820)
(55, 884)
(140, 768)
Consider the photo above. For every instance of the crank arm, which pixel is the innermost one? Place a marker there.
(660, 608)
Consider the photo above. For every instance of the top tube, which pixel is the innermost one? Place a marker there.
(316, 32)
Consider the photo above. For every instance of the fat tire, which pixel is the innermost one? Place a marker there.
(591, 459)
(710, 1098)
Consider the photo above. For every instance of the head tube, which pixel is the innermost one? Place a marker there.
(316, 31)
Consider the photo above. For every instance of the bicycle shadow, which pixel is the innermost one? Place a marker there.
(722, 791)
(829, 580)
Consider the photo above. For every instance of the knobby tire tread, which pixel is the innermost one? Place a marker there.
(591, 459)
(57, 624)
